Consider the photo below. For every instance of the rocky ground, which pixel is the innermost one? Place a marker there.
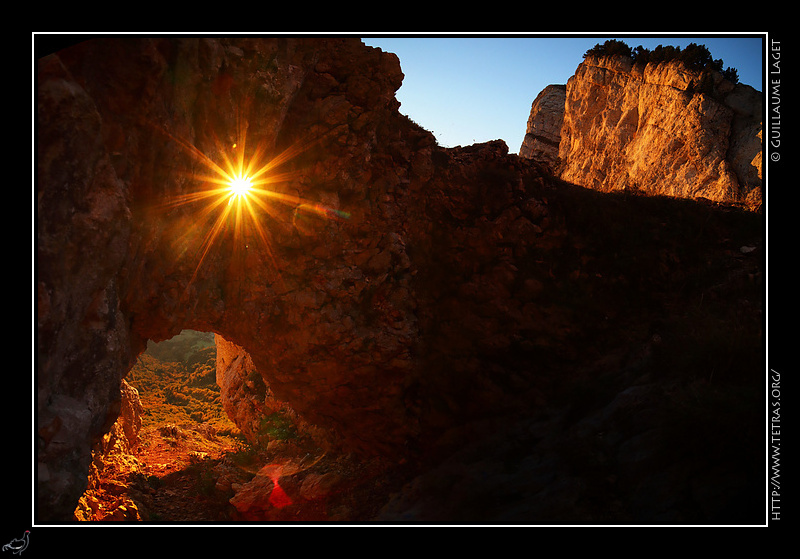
(185, 474)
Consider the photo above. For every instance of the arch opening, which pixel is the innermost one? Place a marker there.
(200, 437)
(172, 431)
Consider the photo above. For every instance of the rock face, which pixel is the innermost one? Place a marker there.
(659, 129)
(121, 262)
(83, 345)
(247, 399)
(242, 390)
(543, 134)
(114, 456)
(390, 291)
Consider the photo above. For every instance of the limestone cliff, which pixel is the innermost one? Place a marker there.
(543, 134)
(660, 129)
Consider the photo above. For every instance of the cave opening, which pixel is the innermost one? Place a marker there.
(174, 453)
(200, 437)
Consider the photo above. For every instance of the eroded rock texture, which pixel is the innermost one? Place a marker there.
(543, 133)
(391, 292)
(659, 128)
(120, 263)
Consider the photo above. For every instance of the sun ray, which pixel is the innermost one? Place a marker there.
(237, 191)
(208, 240)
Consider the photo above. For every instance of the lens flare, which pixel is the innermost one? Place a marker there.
(239, 194)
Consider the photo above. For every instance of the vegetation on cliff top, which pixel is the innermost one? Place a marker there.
(697, 57)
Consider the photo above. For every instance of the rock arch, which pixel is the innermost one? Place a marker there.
(348, 301)
(122, 122)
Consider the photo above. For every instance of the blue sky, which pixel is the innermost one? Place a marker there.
(475, 89)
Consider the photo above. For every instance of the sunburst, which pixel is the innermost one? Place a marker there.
(240, 185)
(234, 192)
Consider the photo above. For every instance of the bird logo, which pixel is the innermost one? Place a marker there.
(18, 545)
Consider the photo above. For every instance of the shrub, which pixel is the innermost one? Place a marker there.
(612, 47)
(277, 427)
(174, 396)
(697, 57)
(731, 74)
(245, 456)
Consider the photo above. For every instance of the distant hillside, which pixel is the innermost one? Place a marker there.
(182, 346)
(176, 380)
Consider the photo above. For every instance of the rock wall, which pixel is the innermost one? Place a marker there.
(83, 227)
(659, 129)
(112, 456)
(543, 133)
(248, 400)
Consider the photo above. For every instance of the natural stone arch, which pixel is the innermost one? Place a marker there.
(110, 278)
(382, 329)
